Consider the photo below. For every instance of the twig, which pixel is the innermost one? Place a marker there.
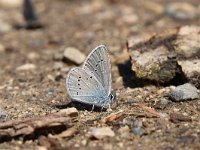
(115, 116)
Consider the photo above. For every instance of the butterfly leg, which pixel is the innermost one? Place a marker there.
(92, 108)
(109, 108)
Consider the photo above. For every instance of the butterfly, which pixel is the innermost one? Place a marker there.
(91, 83)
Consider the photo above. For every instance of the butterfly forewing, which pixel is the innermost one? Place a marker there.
(98, 63)
(84, 87)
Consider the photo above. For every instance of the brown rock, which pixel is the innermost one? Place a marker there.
(153, 58)
(160, 57)
(191, 68)
(187, 43)
(175, 118)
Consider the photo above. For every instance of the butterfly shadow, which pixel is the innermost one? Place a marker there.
(81, 106)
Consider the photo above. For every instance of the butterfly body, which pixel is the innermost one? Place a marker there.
(91, 83)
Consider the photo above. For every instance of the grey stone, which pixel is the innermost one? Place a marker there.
(184, 92)
(181, 11)
(162, 103)
(135, 125)
(3, 114)
(48, 90)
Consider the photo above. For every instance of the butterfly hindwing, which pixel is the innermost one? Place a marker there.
(83, 86)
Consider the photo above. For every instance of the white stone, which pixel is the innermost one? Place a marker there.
(26, 67)
(10, 3)
(74, 55)
(102, 132)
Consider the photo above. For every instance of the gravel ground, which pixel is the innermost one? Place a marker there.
(32, 78)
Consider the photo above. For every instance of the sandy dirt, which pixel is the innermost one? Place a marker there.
(84, 25)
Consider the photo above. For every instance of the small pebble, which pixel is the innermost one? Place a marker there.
(58, 56)
(72, 54)
(137, 127)
(49, 91)
(175, 118)
(58, 77)
(129, 19)
(33, 56)
(5, 27)
(10, 4)
(72, 112)
(124, 131)
(26, 67)
(134, 125)
(65, 69)
(181, 11)
(162, 103)
(36, 43)
(3, 114)
(57, 65)
(100, 133)
(2, 48)
(184, 92)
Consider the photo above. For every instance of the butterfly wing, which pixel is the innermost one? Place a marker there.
(98, 63)
(83, 86)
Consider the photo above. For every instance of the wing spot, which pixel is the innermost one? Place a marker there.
(79, 77)
(77, 93)
(79, 84)
(79, 80)
(96, 70)
(102, 60)
(79, 88)
(90, 77)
